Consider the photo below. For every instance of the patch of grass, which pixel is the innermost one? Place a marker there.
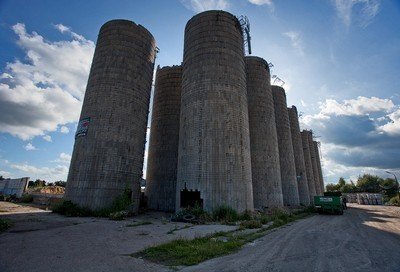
(117, 211)
(141, 223)
(70, 209)
(250, 224)
(171, 231)
(191, 252)
(5, 224)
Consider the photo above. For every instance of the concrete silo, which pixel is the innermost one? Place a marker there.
(301, 172)
(319, 167)
(214, 165)
(267, 187)
(314, 164)
(164, 139)
(286, 157)
(110, 139)
(308, 164)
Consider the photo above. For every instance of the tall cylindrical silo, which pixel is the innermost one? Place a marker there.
(286, 157)
(308, 164)
(301, 173)
(164, 139)
(314, 164)
(214, 165)
(267, 187)
(319, 166)
(110, 139)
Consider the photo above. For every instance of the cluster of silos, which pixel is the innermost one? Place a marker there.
(109, 143)
(220, 134)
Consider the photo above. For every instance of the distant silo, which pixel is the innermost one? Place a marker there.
(286, 157)
(308, 164)
(267, 188)
(314, 164)
(164, 140)
(321, 179)
(214, 142)
(301, 172)
(110, 139)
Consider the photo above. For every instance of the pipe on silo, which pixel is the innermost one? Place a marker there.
(267, 187)
(110, 140)
(214, 142)
(164, 140)
(286, 155)
(301, 173)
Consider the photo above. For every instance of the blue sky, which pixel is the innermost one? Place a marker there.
(340, 60)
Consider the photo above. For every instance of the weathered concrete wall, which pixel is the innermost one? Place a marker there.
(321, 179)
(286, 157)
(109, 145)
(267, 187)
(301, 173)
(308, 164)
(164, 140)
(214, 142)
(314, 164)
(14, 186)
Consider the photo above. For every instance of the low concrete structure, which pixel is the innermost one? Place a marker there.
(14, 186)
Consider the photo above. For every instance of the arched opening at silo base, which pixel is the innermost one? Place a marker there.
(190, 198)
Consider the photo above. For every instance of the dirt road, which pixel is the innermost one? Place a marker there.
(365, 238)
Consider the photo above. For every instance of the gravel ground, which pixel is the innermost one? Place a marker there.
(365, 238)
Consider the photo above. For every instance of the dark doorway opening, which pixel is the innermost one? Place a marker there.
(190, 198)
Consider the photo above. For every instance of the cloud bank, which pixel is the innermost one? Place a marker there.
(45, 90)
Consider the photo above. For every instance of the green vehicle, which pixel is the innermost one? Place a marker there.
(329, 203)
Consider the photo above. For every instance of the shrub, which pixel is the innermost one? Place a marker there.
(70, 209)
(26, 198)
(5, 224)
(251, 224)
(225, 213)
(395, 201)
(118, 215)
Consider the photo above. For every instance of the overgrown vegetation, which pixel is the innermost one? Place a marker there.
(117, 211)
(366, 183)
(26, 198)
(5, 224)
(395, 201)
(191, 252)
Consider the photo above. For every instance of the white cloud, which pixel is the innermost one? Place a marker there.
(45, 92)
(393, 126)
(304, 104)
(30, 147)
(359, 106)
(296, 41)
(261, 2)
(64, 130)
(369, 10)
(59, 172)
(47, 138)
(203, 5)
(5, 174)
(64, 157)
